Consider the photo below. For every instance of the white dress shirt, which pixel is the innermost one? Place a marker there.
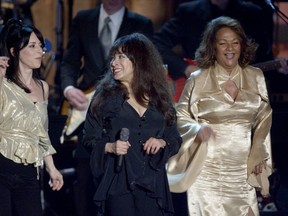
(116, 21)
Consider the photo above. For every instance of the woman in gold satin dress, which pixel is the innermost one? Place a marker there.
(24, 140)
(224, 118)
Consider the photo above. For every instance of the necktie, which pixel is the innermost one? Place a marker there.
(106, 37)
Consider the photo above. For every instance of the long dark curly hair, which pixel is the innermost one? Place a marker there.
(149, 79)
(205, 55)
(16, 35)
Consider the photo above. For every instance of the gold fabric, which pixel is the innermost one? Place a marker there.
(23, 126)
(217, 174)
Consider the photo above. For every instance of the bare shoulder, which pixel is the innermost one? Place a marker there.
(46, 89)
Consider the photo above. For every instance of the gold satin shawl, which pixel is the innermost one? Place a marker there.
(184, 167)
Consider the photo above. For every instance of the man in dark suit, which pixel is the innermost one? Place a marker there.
(85, 60)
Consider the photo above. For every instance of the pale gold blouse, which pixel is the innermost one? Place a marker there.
(23, 126)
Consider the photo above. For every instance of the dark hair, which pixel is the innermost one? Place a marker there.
(149, 79)
(206, 54)
(16, 35)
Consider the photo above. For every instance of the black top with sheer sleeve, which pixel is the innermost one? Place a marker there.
(139, 169)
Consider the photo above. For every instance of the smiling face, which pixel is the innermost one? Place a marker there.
(122, 68)
(228, 48)
(30, 56)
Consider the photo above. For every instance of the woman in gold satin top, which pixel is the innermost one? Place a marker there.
(224, 118)
(24, 140)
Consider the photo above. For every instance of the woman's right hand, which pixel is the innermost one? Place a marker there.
(3, 65)
(205, 133)
(119, 147)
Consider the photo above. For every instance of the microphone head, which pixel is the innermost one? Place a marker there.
(124, 134)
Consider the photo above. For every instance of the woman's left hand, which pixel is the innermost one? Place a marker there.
(258, 168)
(152, 145)
(56, 180)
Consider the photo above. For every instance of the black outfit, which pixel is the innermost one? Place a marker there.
(84, 43)
(140, 172)
(20, 182)
(189, 22)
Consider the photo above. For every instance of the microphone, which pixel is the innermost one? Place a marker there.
(124, 136)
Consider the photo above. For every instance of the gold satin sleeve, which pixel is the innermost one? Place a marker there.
(184, 167)
(261, 140)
